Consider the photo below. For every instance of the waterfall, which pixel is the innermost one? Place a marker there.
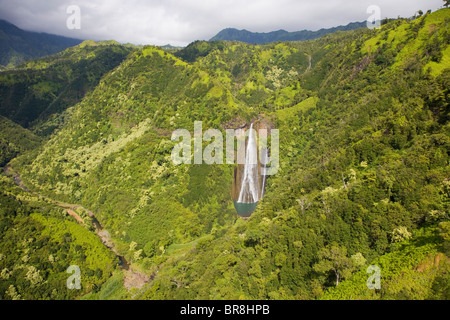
(249, 192)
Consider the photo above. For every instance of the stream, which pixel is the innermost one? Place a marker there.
(101, 232)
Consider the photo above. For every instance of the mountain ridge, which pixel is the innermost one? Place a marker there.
(42, 89)
(243, 35)
(18, 45)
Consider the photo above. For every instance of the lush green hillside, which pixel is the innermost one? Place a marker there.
(38, 93)
(136, 108)
(418, 269)
(231, 34)
(38, 242)
(363, 179)
(14, 140)
(358, 166)
(17, 46)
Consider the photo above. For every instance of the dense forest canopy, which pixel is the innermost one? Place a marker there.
(363, 179)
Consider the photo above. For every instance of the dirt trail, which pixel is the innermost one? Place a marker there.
(75, 215)
(133, 278)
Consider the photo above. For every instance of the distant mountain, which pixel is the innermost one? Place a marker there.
(231, 34)
(42, 89)
(171, 47)
(17, 45)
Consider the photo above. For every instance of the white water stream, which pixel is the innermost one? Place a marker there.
(250, 181)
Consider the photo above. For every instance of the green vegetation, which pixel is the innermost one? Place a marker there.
(417, 270)
(111, 290)
(38, 94)
(363, 179)
(14, 140)
(38, 244)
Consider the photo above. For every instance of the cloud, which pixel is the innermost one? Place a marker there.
(179, 22)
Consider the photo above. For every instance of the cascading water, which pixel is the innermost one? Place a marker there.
(250, 182)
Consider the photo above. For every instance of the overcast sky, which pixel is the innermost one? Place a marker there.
(180, 22)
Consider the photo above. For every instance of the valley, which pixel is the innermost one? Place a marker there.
(362, 177)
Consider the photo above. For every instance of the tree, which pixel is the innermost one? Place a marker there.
(149, 249)
(400, 234)
(444, 232)
(446, 3)
(334, 258)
